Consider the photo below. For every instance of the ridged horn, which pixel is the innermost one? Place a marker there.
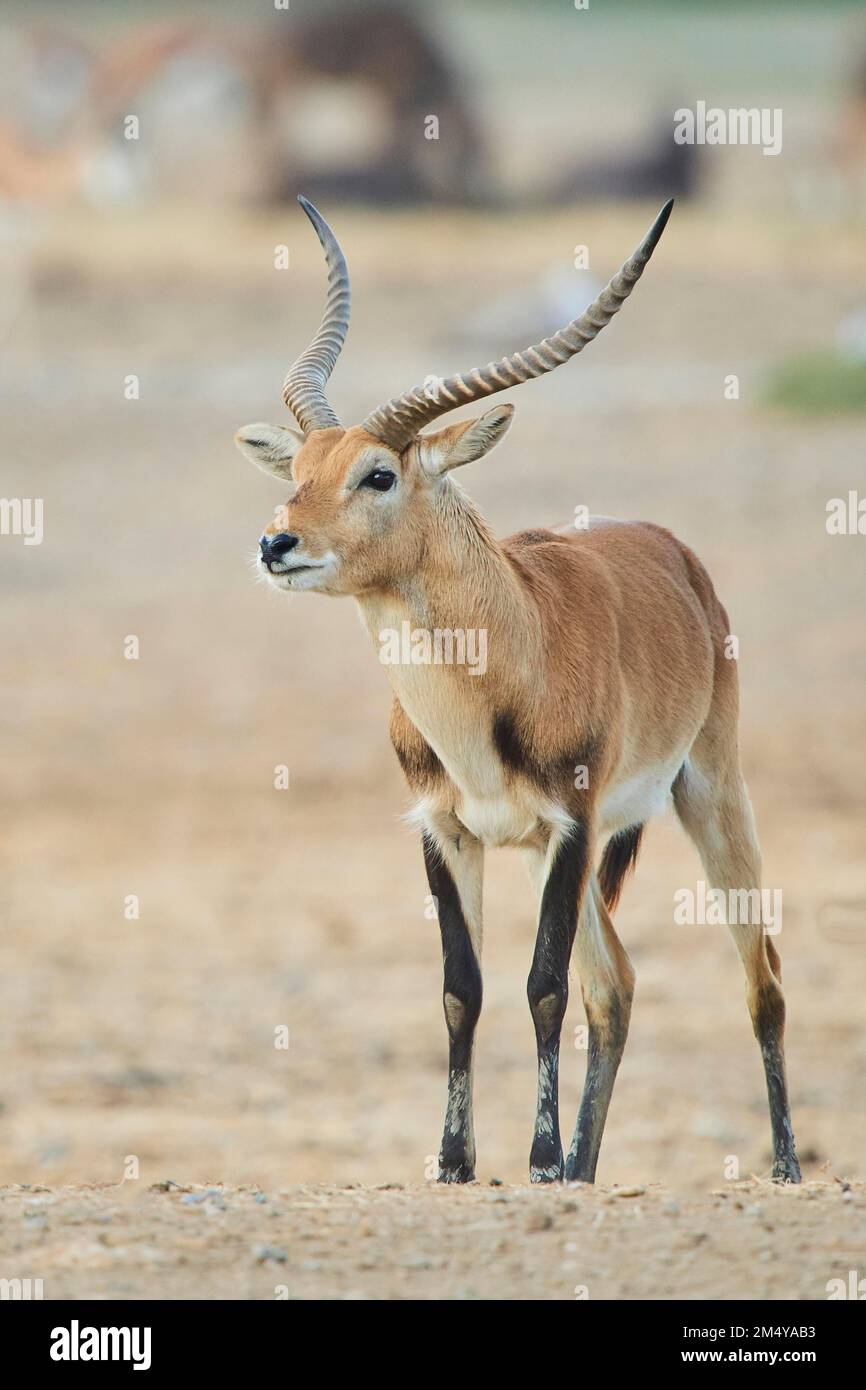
(304, 386)
(398, 421)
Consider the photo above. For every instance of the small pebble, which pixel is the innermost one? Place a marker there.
(539, 1221)
(274, 1253)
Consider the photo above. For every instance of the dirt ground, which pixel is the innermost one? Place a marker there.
(750, 1240)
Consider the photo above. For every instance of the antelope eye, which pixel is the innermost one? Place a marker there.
(381, 479)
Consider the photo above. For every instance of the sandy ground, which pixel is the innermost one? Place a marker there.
(750, 1240)
(150, 1040)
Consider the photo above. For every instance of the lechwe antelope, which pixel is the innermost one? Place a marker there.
(605, 689)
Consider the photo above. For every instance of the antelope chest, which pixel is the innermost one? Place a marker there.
(455, 721)
(496, 810)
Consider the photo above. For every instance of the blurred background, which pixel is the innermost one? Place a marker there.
(150, 155)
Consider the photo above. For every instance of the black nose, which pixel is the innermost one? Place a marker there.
(275, 547)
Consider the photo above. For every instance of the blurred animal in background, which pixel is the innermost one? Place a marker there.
(338, 101)
(47, 82)
(195, 91)
(849, 143)
(660, 168)
(47, 86)
(830, 185)
(364, 104)
(356, 88)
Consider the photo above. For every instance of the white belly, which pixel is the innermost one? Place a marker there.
(634, 800)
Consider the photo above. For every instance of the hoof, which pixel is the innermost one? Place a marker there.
(786, 1169)
(545, 1160)
(545, 1174)
(456, 1172)
(578, 1171)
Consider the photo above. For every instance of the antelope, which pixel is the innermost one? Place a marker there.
(605, 658)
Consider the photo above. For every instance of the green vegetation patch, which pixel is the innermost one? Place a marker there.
(819, 383)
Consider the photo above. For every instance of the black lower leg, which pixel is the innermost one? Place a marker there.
(547, 989)
(769, 1021)
(462, 1003)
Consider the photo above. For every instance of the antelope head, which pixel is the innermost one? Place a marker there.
(364, 497)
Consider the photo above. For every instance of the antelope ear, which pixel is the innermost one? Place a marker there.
(270, 447)
(465, 442)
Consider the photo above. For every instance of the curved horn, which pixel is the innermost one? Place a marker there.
(399, 420)
(304, 387)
